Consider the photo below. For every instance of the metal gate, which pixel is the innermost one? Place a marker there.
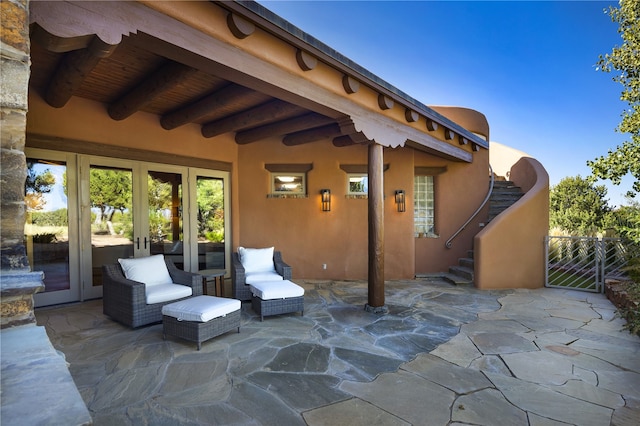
(584, 263)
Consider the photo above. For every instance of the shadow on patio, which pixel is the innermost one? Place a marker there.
(442, 354)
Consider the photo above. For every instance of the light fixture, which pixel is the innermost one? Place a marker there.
(400, 202)
(326, 199)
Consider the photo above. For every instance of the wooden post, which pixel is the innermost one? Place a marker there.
(376, 230)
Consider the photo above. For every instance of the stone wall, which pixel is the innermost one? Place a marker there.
(18, 283)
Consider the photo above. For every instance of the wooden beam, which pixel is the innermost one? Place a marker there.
(261, 114)
(350, 84)
(306, 62)
(385, 102)
(240, 27)
(411, 116)
(342, 141)
(312, 135)
(376, 229)
(449, 134)
(73, 70)
(283, 127)
(163, 79)
(431, 125)
(199, 109)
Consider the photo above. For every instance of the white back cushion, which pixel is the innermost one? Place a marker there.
(256, 260)
(150, 270)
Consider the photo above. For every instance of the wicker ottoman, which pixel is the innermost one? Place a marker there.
(277, 297)
(200, 318)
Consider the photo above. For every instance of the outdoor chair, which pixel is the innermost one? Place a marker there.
(251, 266)
(135, 290)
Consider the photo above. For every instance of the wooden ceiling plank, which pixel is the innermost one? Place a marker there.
(73, 70)
(283, 127)
(194, 111)
(265, 113)
(162, 80)
(312, 135)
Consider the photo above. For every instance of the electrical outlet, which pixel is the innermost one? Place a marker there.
(324, 266)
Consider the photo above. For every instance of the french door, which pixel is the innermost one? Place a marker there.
(124, 208)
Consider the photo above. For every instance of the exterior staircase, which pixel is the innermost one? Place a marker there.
(504, 194)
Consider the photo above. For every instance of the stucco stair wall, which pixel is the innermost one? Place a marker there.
(504, 194)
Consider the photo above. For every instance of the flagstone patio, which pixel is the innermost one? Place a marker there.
(443, 355)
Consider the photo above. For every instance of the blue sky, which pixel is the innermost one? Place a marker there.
(528, 66)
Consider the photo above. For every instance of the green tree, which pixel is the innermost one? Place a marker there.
(627, 221)
(37, 184)
(624, 62)
(210, 197)
(110, 191)
(578, 206)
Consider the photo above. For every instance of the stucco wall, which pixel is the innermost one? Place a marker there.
(510, 250)
(307, 236)
(459, 192)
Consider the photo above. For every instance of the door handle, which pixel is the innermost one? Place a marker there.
(145, 243)
(138, 243)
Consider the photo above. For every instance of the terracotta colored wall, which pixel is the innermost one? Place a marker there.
(459, 192)
(510, 250)
(309, 237)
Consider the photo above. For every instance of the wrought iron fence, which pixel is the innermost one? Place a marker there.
(584, 263)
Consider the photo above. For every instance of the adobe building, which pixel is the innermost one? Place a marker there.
(181, 93)
(223, 113)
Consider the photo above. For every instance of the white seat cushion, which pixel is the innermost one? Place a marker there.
(150, 270)
(258, 277)
(165, 292)
(201, 308)
(268, 290)
(256, 260)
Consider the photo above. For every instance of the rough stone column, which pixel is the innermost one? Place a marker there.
(18, 284)
(14, 86)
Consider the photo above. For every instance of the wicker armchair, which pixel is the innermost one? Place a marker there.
(125, 301)
(240, 288)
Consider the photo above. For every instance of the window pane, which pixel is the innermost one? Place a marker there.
(424, 206)
(47, 223)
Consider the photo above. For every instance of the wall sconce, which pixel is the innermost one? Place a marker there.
(326, 199)
(400, 201)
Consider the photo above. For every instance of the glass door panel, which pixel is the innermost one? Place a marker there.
(165, 236)
(50, 230)
(111, 223)
(210, 214)
(47, 222)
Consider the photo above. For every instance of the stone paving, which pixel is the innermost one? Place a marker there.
(444, 355)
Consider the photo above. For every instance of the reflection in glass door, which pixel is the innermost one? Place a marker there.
(111, 224)
(165, 216)
(48, 237)
(210, 214)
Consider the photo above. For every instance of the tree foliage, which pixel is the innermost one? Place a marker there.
(36, 185)
(578, 206)
(110, 191)
(210, 197)
(624, 62)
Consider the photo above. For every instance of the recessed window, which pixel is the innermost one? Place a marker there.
(357, 184)
(288, 183)
(424, 207)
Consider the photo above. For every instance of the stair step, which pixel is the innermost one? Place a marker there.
(463, 272)
(506, 197)
(456, 279)
(466, 262)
